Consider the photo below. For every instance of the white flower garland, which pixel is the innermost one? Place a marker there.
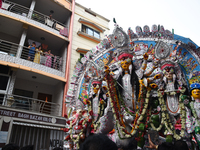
(99, 110)
(194, 113)
(165, 116)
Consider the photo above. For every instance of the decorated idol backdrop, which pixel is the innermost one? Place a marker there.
(133, 84)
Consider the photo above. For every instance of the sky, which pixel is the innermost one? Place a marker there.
(181, 15)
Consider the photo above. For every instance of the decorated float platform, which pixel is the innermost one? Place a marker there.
(133, 84)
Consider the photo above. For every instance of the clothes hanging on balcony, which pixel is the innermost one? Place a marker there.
(64, 32)
(56, 62)
(0, 3)
(48, 61)
(42, 60)
(60, 63)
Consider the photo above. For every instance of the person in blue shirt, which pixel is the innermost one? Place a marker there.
(31, 53)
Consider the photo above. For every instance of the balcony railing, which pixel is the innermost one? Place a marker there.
(36, 56)
(39, 17)
(30, 104)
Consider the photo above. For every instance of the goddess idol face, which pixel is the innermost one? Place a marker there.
(168, 72)
(196, 93)
(169, 75)
(195, 90)
(125, 64)
(96, 86)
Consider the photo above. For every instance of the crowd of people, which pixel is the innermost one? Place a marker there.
(37, 55)
(103, 142)
(28, 147)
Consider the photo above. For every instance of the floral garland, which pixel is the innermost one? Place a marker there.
(101, 107)
(123, 104)
(136, 115)
(120, 126)
(100, 111)
(194, 113)
(115, 105)
(114, 100)
(162, 119)
(146, 125)
(141, 116)
(142, 99)
(78, 136)
(165, 116)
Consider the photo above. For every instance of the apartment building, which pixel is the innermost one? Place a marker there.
(35, 38)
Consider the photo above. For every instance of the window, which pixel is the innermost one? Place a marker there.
(81, 55)
(1, 98)
(4, 69)
(90, 31)
(4, 82)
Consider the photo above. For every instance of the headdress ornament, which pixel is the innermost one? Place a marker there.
(79, 105)
(125, 55)
(97, 80)
(167, 64)
(194, 86)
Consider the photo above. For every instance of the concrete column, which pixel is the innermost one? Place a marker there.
(31, 8)
(22, 41)
(12, 81)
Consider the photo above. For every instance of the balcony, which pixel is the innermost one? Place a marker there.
(30, 104)
(34, 17)
(21, 56)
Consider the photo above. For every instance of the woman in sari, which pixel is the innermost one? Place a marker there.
(49, 58)
(37, 55)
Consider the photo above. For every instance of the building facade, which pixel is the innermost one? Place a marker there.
(35, 38)
(88, 30)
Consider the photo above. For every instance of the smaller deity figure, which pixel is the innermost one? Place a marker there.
(171, 85)
(96, 85)
(98, 100)
(195, 106)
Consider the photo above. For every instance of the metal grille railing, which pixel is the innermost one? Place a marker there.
(18, 9)
(29, 104)
(36, 56)
(37, 16)
(42, 138)
(8, 48)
